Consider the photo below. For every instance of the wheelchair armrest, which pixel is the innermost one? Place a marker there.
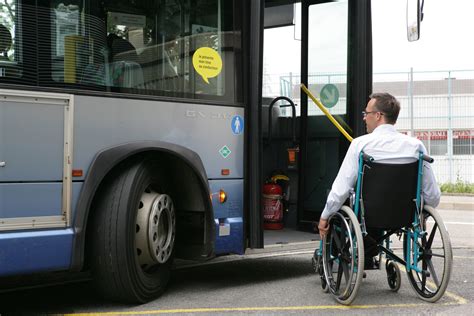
(427, 158)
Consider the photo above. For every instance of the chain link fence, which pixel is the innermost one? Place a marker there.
(437, 107)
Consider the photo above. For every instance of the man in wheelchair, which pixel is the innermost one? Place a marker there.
(396, 188)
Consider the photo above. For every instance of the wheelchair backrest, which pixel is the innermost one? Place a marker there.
(388, 194)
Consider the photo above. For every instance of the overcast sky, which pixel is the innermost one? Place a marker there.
(446, 41)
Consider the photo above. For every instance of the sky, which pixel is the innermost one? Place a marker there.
(446, 41)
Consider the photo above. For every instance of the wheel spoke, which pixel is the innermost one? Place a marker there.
(347, 244)
(424, 264)
(432, 234)
(437, 255)
(345, 269)
(423, 280)
(339, 276)
(433, 272)
(337, 240)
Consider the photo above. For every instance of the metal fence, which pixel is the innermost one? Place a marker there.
(437, 108)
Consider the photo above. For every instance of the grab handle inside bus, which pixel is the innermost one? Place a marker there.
(293, 118)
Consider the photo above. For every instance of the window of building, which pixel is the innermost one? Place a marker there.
(463, 142)
(438, 147)
(436, 142)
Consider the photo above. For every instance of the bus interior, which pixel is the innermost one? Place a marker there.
(305, 146)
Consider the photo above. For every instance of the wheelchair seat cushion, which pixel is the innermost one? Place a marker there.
(388, 194)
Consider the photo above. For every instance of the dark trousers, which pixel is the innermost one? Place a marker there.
(370, 242)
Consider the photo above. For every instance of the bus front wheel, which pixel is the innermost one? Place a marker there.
(134, 229)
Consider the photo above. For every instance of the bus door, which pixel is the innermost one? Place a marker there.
(338, 75)
(35, 160)
(308, 135)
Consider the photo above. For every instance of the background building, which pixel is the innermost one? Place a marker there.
(437, 108)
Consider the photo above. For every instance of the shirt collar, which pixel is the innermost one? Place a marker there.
(384, 128)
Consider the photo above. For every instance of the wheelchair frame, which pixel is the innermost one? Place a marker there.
(415, 253)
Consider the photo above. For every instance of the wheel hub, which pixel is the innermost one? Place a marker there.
(155, 228)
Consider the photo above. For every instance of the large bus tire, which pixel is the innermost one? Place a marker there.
(133, 234)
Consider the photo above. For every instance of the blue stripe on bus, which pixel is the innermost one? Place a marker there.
(35, 251)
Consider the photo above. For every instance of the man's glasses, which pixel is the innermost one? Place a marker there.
(364, 113)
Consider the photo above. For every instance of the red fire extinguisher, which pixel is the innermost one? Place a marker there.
(272, 206)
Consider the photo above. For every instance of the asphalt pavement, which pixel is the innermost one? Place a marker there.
(278, 280)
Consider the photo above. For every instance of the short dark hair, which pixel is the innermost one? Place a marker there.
(388, 105)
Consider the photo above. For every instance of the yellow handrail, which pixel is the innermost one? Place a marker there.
(326, 112)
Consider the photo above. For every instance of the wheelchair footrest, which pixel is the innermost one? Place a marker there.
(371, 264)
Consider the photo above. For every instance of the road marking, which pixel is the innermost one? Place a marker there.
(458, 223)
(458, 300)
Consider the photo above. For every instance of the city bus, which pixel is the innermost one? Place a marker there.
(131, 134)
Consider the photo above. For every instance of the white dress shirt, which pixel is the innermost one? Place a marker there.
(385, 145)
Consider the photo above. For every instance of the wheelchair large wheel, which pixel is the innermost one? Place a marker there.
(435, 257)
(343, 256)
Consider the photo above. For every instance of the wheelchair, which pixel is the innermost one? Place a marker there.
(387, 199)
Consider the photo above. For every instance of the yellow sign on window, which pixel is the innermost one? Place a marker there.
(207, 62)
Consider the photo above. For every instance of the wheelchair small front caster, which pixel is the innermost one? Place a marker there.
(314, 261)
(317, 263)
(393, 275)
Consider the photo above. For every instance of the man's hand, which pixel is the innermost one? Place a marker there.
(323, 227)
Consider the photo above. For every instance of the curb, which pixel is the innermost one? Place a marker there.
(456, 201)
(458, 194)
(458, 206)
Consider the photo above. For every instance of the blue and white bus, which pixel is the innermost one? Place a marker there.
(131, 134)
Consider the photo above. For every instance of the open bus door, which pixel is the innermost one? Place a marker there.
(336, 65)
(336, 55)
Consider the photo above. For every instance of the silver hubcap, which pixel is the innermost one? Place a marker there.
(155, 228)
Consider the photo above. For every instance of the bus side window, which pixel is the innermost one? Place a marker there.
(125, 71)
(9, 41)
(93, 72)
(5, 42)
(160, 72)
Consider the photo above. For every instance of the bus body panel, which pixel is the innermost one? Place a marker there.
(35, 152)
(31, 141)
(41, 199)
(35, 251)
(105, 122)
(228, 216)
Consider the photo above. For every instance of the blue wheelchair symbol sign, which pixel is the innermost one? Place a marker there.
(237, 125)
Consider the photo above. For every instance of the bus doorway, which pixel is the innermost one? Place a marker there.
(335, 65)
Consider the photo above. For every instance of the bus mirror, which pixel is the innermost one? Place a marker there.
(414, 17)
